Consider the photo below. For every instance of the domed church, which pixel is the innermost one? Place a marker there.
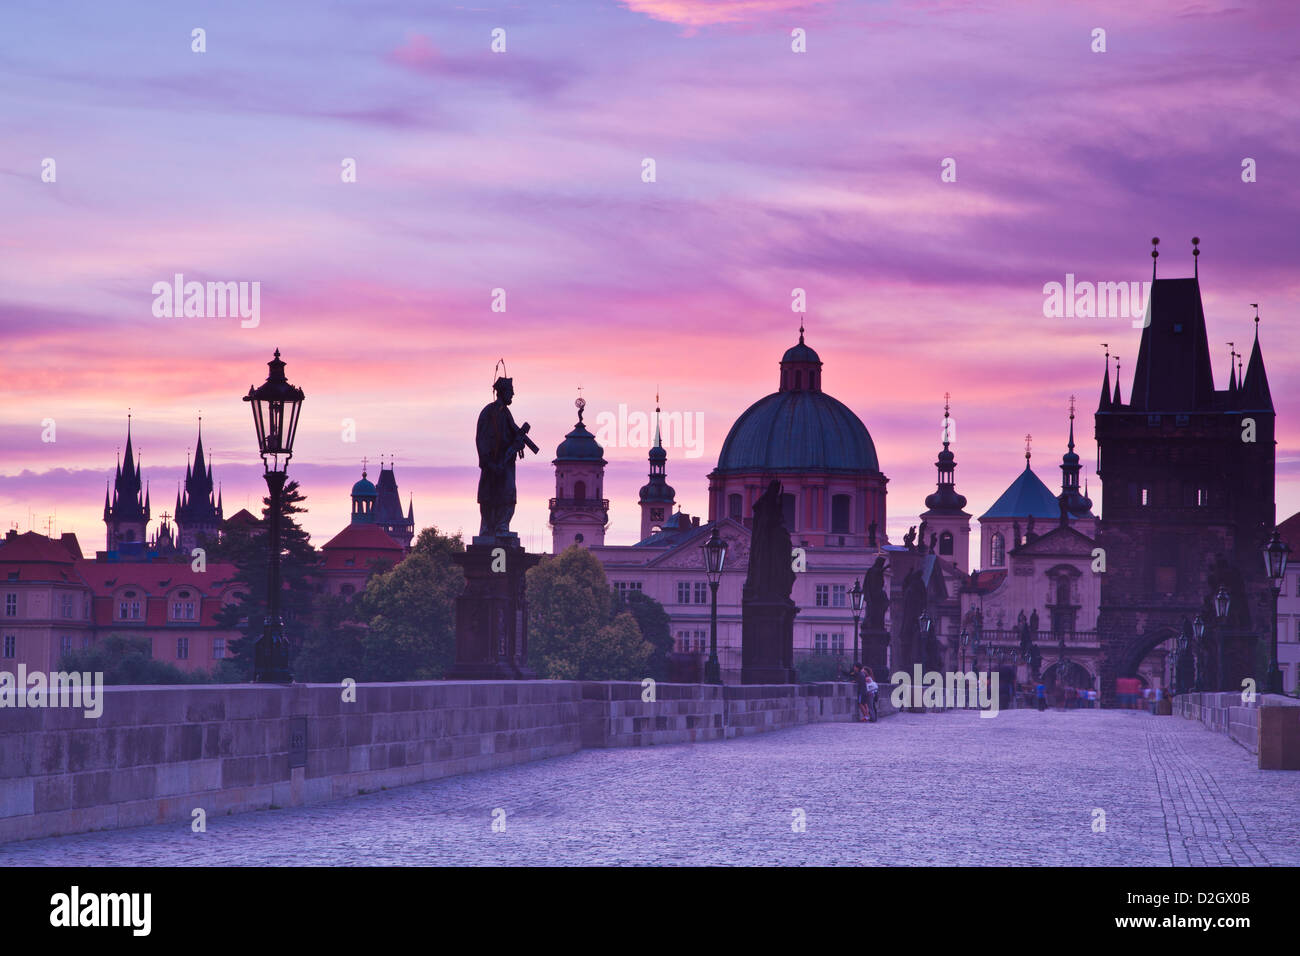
(834, 492)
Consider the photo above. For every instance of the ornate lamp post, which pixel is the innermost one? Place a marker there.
(1222, 606)
(855, 597)
(715, 557)
(962, 641)
(1276, 556)
(927, 628)
(276, 404)
(1198, 628)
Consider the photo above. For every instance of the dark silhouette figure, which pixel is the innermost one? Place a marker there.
(771, 575)
(500, 441)
(875, 596)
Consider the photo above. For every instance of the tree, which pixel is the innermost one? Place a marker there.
(247, 550)
(574, 630)
(410, 612)
(128, 660)
(656, 627)
(333, 647)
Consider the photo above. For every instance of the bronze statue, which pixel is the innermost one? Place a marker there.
(500, 441)
(771, 573)
(914, 600)
(909, 539)
(877, 598)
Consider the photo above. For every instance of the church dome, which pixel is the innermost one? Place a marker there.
(798, 428)
(579, 445)
(364, 488)
(798, 431)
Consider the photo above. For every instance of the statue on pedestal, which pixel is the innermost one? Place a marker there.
(767, 612)
(500, 441)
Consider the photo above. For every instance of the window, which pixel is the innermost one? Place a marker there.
(349, 562)
(656, 514)
(67, 605)
(821, 643)
(182, 648)
(1146, 497)
(11, 605)
(579, 491)
(13, 575)
(624, 587)
(837, 644)
(683, 592)
(347, 590)
(699, 641)
(218, 648)
(823, 595)
(945, 543)
(735, 506)
(839, 514)
(701, 592)
(11, 646)
(997, 551)
(787, 511)
(135, 610)
(65, 644)
(838, 592)
(85, 641)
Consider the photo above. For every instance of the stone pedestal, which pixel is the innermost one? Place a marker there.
(492, 614)
(875, 653)
(767, 641)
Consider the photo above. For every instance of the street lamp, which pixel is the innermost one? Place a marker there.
(275, 404)
(715, 557)
(1276, 555)
(927, 628)
(962, 641)
(855, 596)
(1222, 603)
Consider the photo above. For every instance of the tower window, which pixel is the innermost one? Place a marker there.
(997, 551)
(945, 543)
(735, 506)
(840, 514)
(1146, 497)
(579, 491)
(656, 514)
(798, 380)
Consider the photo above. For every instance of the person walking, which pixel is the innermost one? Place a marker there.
(873, 693)
(1041, 692)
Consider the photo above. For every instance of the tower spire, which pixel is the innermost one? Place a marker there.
(1117, 401)
(1104, 404)
(1155, 254)
(1196, 260)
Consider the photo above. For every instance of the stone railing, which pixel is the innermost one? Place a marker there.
(159, 754)
(1268, 726)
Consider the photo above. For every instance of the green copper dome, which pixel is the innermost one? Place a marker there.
(798, 431)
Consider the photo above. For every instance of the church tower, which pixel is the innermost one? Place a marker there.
(364, 495)
(944, 516)
(1078, 506)
(198, 505)
(579, 512)
(657, 496)
(1187, 495)
(126, 514)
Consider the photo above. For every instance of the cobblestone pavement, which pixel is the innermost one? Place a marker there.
(914, 789)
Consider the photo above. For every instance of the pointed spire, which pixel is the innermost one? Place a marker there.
(1255, 393)
(1232, 370)
(1116, 401)
(106, 507)
(1196, 258)
(1155, 254)
(658, 441)
(1071, 444)
(801, 329)
(410, 509)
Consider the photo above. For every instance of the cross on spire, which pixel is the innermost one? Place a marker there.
(364, 460)
(1028, 439)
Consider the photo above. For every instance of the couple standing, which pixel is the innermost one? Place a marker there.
(867, 689)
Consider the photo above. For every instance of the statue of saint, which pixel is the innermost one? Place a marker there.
(500, 441)
(771, 571)
(877, 598)
(909, 539)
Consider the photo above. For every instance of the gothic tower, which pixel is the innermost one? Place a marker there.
(657, 496)
(126, 514)
(198, 505)
(944, 515)
(579, 512)
(1187, 496)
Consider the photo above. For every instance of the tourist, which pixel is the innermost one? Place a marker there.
(860, 687)
(873, 694)
(1041, 692)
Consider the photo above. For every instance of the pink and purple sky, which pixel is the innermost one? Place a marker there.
(522, 171)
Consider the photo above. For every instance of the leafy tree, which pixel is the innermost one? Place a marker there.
(128, 660)
(247, 550)
(656, 627)
(333, 647)
(410, 613)
(575, 629)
